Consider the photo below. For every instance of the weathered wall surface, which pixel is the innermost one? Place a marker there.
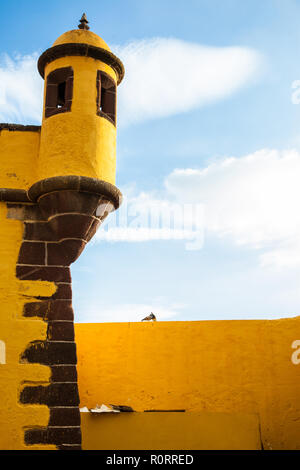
(170, 431)
(19, 151)
(16, 332)
(18, 156)
(212, 366)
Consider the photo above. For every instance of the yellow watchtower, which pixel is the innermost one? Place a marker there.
(78, 135)
(57, 184)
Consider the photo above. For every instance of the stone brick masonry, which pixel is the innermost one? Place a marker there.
(60, 216)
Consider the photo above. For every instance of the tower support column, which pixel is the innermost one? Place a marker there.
(62, 214)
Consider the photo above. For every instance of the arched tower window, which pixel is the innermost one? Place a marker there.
(106, 96)
(59, 91)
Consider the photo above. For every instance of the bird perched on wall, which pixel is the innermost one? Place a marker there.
(150, 317)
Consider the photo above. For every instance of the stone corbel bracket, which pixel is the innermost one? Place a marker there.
(60, 215)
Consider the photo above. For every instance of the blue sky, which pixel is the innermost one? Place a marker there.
(206, 118)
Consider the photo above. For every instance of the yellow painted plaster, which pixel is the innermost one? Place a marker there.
(211, 366)
(170, 431)
(81, 36)
(18, 157)
(17, 332)
(79, 142)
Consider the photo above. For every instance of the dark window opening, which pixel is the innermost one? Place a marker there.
(59, 91)
(61, 94)
(106, 97)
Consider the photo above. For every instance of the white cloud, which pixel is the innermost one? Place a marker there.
(21, 90)
(171, 76)
(253, 200)
(126, 312)
(286, 255)
(146, 217)
(163, 77)
(142, 234)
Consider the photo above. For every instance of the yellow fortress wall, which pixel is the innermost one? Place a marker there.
(18, 156)
(16, 332)
(170, 431)
(233, 367)
(19, 151)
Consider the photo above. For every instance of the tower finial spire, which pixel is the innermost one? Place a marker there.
(83, 23)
